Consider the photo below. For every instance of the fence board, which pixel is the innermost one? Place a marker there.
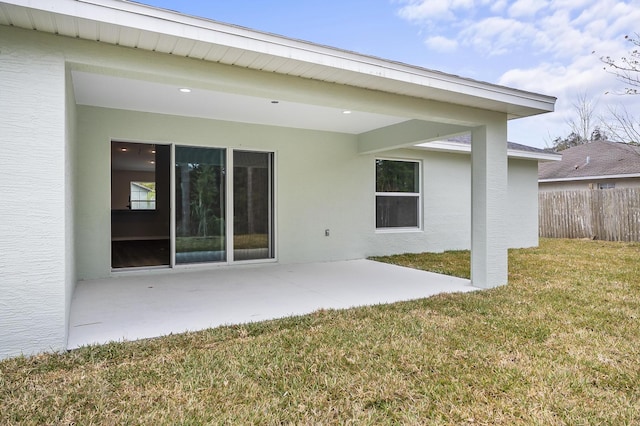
(608, 214)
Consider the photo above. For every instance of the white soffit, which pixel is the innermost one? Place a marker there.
(135, 25)
(137, 95)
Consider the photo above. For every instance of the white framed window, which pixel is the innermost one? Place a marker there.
(606, 185)
(398, 194)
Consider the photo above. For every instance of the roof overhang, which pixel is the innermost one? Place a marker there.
(134, 25)
(457, 147)
(583, 178)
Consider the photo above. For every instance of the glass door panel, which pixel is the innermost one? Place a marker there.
(140, 205)
(200, 205)
(252, 205)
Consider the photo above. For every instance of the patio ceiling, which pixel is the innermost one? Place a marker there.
(137, 95)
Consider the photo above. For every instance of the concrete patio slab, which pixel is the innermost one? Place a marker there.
(133, 306)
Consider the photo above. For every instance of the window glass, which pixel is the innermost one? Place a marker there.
(396, 212)
(142, 195)
(252, 205)
(397, 194)
(200, 204)
(397, 176)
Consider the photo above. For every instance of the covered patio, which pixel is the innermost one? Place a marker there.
(136, 305)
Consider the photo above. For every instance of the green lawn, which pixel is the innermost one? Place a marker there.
(559, 345)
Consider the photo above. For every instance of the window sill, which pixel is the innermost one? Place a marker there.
(399, 230)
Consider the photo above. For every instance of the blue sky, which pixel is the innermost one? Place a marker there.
(550, 47)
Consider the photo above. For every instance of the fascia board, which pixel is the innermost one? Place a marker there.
(447, 146)
(569, 179)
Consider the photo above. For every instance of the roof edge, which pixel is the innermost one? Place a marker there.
(149, 18)
(595, 177)
(457, 147)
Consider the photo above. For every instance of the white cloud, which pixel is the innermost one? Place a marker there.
(499, 6)
(526, 8)
(544, 46)
(441, 44)
(496, 35)
(585, 75)
(433, 10)
(561, 28)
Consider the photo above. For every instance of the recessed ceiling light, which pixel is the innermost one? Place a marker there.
(346, 112)
(152, 162)
(185, 90)
(153, 151)
(123, 149)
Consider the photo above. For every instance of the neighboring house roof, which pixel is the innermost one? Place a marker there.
(462, 143)
(594, 160)
(134, 25)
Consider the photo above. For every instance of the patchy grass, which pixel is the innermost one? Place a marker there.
(559, 345)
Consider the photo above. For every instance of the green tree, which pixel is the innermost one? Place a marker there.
(203, 196)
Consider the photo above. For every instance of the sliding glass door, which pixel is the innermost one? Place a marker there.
(202, 205)
(252, 205)
(200, 201)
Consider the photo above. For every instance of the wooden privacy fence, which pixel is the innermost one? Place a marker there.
(602, 214)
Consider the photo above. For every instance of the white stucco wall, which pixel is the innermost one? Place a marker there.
(58, 154)
(523, 203)
(322, 183)
(33, 218)
(70, 189)
(319, 181)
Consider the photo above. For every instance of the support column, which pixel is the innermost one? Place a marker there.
(36, 271)
(489, 264)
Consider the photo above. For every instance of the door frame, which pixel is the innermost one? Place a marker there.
(229, 207)
(147, 143)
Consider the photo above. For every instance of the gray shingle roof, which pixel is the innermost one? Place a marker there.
(596, 158)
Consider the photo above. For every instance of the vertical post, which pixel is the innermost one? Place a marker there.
(489, 263)
(37, 273)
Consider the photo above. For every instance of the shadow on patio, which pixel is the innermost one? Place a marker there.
(159, 302)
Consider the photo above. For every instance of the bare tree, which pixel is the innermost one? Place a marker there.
(582, 125)
(627, 68)
(622, 125)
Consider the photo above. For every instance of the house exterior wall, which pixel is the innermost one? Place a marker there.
(57, 153)
(34, 266)
(446, 198)
(321, 183)
(523, 203)
(587, 184)
(318, 175)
